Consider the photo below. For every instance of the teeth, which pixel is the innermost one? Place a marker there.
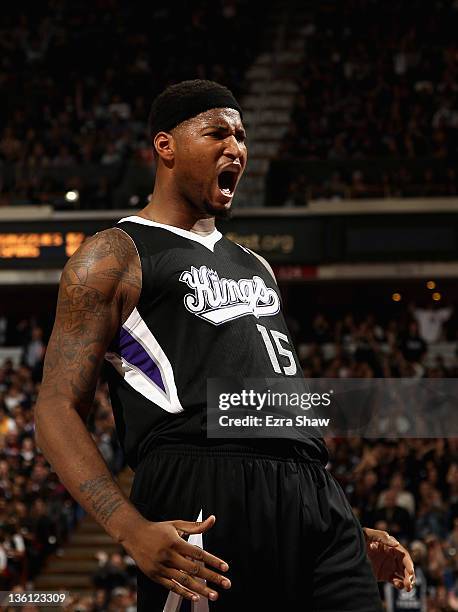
(226, 191)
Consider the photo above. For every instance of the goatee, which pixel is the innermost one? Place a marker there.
(218, 213)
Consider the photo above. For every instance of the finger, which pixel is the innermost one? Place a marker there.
(194, 568)
(405, 568)
(398, 580)
(177, 588)
(404, 563)
(191, 584)
(195, 526)
(197, 554)
(399, 584)
(406, 579)
(385, 538)
(408, 564)
(409, 581)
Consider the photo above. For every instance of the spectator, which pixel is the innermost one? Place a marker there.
(364, 497)
(7, 424)
(15, 396)
(43, 529)
(404, 499)
(112, 573)
(431, 518)
(320, 330)
(413, 347)
(3, 561)
(34, 349)
(393, 518)
(3, 329)
(64, 158)
(121, 600)
(111, 155)
(345, 330)
(430, 321)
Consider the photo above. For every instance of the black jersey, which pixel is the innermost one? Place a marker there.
(208, 308)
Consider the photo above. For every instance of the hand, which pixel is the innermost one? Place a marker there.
(390, 561)
(164, 556)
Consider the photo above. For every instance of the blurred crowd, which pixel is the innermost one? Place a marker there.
(375, 85)
(410, 489)
(350, 183)
(37, 514)
(365, 347)
(77, 81)
(379, 82)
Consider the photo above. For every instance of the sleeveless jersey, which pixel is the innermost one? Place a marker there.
(206, 310)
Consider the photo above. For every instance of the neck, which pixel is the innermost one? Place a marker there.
(167, 207)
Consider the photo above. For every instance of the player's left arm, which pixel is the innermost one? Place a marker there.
(391, 562)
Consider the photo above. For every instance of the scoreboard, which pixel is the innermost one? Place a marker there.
(36, 245)
(43, 244)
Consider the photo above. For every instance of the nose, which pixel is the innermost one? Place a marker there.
(233, 148)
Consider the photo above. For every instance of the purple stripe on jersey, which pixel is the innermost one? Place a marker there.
(133, 352)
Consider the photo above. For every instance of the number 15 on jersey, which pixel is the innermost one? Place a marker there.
(279, 349)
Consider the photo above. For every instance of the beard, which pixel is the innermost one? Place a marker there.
(218, 213)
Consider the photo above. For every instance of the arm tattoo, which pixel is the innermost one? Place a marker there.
(103, 499)
(100, 286)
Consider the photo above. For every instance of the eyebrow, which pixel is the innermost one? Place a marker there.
(222, 127)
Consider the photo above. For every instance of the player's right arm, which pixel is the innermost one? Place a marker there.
(100, 286)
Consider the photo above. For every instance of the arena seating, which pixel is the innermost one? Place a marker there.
(342, 101)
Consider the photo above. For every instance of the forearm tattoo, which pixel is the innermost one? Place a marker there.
(103, 497)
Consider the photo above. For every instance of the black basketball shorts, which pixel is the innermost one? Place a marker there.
(283, 525)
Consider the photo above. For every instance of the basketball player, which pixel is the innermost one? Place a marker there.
(268, 527)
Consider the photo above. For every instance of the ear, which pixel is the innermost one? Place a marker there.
(163, 144)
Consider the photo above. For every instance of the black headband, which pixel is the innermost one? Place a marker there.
(165, 116)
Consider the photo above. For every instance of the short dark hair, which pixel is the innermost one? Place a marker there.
(187, 99)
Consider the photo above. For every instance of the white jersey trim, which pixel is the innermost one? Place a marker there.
(138, 329)
(208, 241)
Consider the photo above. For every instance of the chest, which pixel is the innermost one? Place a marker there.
(216, 287)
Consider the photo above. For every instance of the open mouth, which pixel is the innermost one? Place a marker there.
(227, 180)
